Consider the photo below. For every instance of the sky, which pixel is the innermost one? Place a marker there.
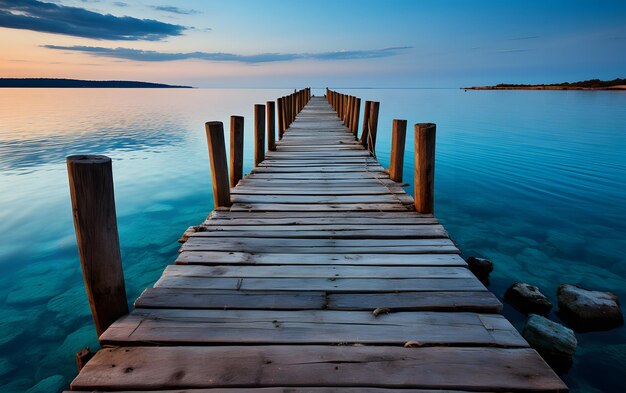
(292, 43)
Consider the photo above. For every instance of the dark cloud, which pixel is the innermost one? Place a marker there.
(59, 19)
(146, 55)
(120, 4)
(175, 10)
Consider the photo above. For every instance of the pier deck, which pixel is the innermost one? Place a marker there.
(320, 277)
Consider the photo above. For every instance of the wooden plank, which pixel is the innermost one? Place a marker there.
(182, 298)
(321, 191)
(193, 327)
(213, 226)
(307, 221)
(489, 369)
(307, 246)
(285, 389)
(324, 284)
(388, 259)
(320, 175)
(382, 216)
(319, 169)
(477, 301)
(314, 199)
(286, 207)
(326, 271)
(424, 232)
(229, 299)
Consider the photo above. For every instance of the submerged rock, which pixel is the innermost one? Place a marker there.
(587, 310)
(555, 342)
(527, 299)
(481, 268)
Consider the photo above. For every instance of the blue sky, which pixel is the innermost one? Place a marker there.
(339, 43)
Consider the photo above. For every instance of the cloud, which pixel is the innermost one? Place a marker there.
(120, 4)
(59, 19)
(512, 50)
(147, 55)
(175, 10)
(531, 37)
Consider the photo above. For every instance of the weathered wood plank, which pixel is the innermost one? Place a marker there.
(489, 369)
(390, 233)
(307, 246)
(256, 258)
(193, 327)
(324, 284)
(288, 390)
(181, 298)
(314, 199)
(382, 216)
(344, 207)
(326, 271)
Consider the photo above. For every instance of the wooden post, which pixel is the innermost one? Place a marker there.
(82, 357)
(425, 167)
(289, 110)
(355, 117)
(219, 167)
(281, 117)
(337, 103)
(297, 98)
(366, 123)
(236, 149)
(259, 134)
(373, 127)
(95, 223)
(271, 125)
(398, 138)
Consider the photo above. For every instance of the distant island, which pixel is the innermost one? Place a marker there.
(77, 83)
(592, 84)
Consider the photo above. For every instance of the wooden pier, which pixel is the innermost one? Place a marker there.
(315, 273)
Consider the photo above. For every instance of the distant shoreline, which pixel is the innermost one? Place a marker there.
(78, 83)
(591, 84)
(546, 87)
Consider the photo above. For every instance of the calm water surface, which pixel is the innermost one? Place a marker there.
(533, 180)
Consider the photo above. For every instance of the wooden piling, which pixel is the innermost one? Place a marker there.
(398, 138)
(259, 134)
(95, 223)
(219, 167)
(281, 117)
(425, 167)
(373, 127)
(270, 116)
(355, 117)
(366, 120)
(236, 149)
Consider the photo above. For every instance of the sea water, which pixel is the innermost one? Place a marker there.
(533, 180)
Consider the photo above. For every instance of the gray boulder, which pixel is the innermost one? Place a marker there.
(586, 310)
(527, 299)
(555, 342)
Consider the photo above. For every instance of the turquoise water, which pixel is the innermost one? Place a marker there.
(533, 180)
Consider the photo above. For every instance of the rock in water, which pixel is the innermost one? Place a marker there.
(553, 341)
(527, 299)
(481, 268)
(588, 310)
